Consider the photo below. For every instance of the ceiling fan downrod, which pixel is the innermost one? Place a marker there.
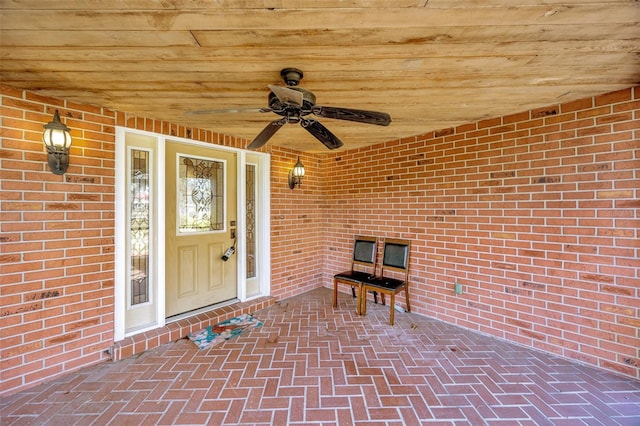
(291, 76)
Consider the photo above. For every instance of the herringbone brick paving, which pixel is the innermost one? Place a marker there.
(313, 365)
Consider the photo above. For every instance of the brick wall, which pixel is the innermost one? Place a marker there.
(297, 226)
(537, 214)
(57, 236)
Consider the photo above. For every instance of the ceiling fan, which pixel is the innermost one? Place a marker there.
(295, 104)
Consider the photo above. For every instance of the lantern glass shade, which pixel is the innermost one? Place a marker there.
(57, 135)
(298, 169)
(296, 174)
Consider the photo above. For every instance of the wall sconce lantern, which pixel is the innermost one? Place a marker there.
(57, 139)
(296, 174)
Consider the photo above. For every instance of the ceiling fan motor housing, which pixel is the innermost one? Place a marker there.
(308, 102)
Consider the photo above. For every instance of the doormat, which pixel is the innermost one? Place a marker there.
(216, 334)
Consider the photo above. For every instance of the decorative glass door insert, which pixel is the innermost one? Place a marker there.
(200, 195)
(139, 219)
(250, 215)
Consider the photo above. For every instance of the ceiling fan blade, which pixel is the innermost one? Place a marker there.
(266, 133)
(321, 133)
(287, 95)
(359, 115)
(227, 111)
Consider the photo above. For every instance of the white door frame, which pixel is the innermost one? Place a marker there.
(121, 261)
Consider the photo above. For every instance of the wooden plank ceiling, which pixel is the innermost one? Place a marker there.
(431, 64)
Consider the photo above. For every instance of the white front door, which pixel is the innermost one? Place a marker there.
(201, 225)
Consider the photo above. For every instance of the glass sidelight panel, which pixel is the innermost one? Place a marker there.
(139, 219)
(251, 220)
(136, 228)
(200, 195)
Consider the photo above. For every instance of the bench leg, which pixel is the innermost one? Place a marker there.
(392, 308)
(335, 293)
(363, 300)
(406, 294)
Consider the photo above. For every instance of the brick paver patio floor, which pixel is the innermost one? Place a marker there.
(313, 365)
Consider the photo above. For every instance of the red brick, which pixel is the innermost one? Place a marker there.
(613, 97)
